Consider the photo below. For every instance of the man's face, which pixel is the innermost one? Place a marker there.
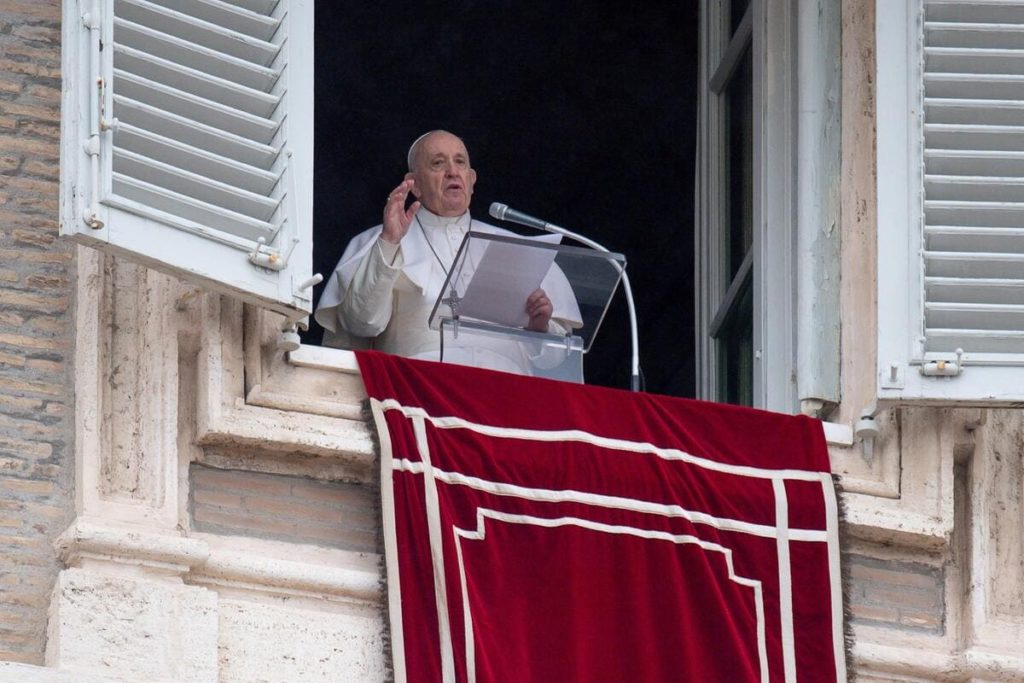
(444, 178)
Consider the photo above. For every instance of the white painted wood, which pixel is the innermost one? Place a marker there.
(208, 32)
(950, 123)
(817, 207)
(772, 40)
(206, 141)
(214, 137)
(775, 211)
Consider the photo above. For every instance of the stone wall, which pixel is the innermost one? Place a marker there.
(36, 449)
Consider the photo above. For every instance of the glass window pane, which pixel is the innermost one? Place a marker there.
(737, 8)
(740, 193)
(736, 352)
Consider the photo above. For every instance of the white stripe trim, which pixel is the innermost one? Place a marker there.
(605, 501)
(600, 441)
(387, 494)
(835, 573)
(680, 539)
(785, 581)
(467, 616)
(433, 509)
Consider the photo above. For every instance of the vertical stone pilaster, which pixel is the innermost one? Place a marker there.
(127, 381)
(121, 609)
(997, 599)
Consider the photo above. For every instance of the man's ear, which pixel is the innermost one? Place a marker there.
(415, 190)
(472, 176)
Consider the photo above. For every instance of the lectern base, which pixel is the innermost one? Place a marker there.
(517, 351)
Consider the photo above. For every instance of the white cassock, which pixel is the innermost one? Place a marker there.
(380, 296)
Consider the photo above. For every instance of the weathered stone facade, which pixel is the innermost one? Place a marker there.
(179, 502)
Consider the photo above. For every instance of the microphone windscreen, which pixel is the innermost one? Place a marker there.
(498, 210)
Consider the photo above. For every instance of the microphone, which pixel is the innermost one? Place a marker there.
(503, 213)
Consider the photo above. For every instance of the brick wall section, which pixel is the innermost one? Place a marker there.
(905, 595)
(285, 508)
(36, 471)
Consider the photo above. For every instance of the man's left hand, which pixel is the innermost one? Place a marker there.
(539, 308)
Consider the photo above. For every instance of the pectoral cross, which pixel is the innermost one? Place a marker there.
(452, 301)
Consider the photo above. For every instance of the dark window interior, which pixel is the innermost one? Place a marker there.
(581, 113)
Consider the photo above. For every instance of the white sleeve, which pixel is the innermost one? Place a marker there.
(365, 308)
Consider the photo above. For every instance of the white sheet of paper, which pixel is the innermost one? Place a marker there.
(505, 275)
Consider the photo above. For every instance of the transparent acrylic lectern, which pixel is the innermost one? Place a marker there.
(481, 311)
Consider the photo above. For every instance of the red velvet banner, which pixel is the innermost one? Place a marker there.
(544, 531)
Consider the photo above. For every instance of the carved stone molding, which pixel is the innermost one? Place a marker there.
(126, 383)
(228, 416)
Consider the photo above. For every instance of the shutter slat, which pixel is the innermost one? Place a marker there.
(975, 290)
(973, 137)
(982, 214)
(194, 185)
(195, 108)
(975, 112)
(200, 135)
(205, 85)
(212, 36)
(179, 154)
(178, 51)
(973, 60)
(974, 35)
(972, 238)
(180, 207)
(974, 86)
(974, 188)
(265, 7)
(975, 162)
(227, 15)
(1004, 317)
(979, 11)
(969, 264)
(946, 340)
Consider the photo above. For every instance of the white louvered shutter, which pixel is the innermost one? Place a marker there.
(951, 200)
(974, 177)
(188, 139)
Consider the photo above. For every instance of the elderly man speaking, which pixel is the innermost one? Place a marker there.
(389, 276)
